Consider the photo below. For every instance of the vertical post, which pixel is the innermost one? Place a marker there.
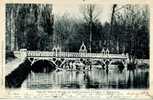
(128, 59)
(23, 54)
(117, 47)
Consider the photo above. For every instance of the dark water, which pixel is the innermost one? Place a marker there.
(96, 78)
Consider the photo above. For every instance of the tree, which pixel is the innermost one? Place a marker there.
(132, 26)
(31, 23)
(111, 29)
(66, 32)
(90, 15)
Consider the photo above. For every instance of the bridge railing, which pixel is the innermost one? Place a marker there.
(73, 54)
(40, 53)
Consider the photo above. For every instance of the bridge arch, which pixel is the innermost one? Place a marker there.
(43, 66)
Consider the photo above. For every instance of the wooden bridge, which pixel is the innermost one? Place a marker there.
(63, 57)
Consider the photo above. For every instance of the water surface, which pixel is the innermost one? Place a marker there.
(96, 78)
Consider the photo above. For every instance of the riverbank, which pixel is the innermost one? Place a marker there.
(12, 63)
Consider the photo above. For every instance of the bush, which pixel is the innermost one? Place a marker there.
(143, 66)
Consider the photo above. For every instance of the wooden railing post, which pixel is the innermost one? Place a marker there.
(23, 54)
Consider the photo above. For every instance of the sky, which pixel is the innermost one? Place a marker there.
(73, 10)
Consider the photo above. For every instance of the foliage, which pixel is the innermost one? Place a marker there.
(127, 32)
(132, 28)
(29, 23)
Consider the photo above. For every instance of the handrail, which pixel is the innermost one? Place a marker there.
(73, 54)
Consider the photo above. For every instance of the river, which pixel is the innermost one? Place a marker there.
(97, 78)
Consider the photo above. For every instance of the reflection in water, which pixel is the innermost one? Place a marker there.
(96, 78)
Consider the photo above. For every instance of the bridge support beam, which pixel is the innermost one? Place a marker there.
(32, 60)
